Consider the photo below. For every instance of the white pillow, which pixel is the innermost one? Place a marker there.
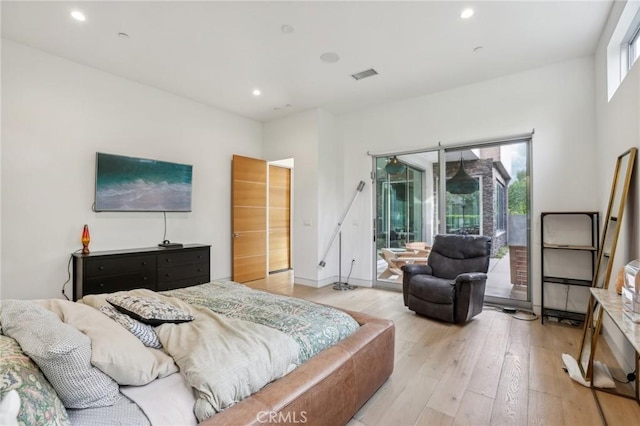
(115, 350)
(61, 351)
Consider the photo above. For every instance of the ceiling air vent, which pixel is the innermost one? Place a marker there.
(364, 74)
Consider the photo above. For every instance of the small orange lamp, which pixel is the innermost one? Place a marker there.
(85, 240)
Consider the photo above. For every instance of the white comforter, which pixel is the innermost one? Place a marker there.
(224, 360)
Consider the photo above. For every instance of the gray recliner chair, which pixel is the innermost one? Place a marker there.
(450, 287)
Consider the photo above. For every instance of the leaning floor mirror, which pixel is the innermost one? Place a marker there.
(606, 253)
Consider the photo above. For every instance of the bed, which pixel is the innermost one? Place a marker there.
(319, 374)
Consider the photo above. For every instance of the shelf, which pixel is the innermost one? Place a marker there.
(569, 213)
(575, 316)
(569, 247)
(573, 253)
(567, 281)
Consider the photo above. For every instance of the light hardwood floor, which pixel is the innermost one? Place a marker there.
(494, 370)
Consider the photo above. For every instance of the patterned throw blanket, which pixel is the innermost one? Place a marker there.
(314, 327)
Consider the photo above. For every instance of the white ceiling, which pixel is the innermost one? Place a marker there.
(218, 52)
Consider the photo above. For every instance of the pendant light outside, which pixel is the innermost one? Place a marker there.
(394, 165)
(461, 183)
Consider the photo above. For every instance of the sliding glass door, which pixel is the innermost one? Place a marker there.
(404, 213)
(480, 189)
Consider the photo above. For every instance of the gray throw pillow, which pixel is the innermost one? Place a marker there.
(62, 352)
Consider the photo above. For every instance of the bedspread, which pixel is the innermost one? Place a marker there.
(223, 359)
(314, 327)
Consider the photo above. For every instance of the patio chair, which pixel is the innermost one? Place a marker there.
(419, 248)
(396, 260)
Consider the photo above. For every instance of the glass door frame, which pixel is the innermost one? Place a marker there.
(441, 206)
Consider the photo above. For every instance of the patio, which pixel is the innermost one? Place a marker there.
(498, 284)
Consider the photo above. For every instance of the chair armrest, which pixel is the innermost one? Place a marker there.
(409, 271)
(471, 277)
(416, 269)
(470, 288)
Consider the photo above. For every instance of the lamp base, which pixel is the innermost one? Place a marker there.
(343, 286)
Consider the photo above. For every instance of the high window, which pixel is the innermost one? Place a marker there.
(634, 47)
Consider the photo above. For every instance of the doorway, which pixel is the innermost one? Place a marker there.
(260, 217)
(496, 203)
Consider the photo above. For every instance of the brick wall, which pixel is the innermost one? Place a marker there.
(518, 256)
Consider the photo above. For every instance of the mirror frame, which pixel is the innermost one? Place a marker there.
(593, 320)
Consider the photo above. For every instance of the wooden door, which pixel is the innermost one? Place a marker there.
(279, 218)
(249, 218)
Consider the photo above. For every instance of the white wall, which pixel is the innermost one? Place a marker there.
(558, 101)
(331, 202)
(56, 114)
(312, 139)
(297, 137)
(618, 129)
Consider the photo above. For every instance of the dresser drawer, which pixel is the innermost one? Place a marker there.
(183, 257)
(182, 272)
(121, 282)
(119, 265)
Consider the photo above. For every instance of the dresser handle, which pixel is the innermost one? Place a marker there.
(144, 278)
(101, 285)
(167, 275)
(168, 259)
(101, 268)
(144, 263)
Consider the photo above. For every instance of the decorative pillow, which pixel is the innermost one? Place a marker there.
(40, 404)
(61, 351)
(149, 311)
(144, 332)
(114, 350)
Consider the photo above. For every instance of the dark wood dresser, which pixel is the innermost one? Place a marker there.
(155, 268)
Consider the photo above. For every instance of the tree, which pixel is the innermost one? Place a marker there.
(518, 194)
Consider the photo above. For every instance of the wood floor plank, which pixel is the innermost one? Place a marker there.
(457, 368)
(409, 404)
(510, 407)
(431, 417)
(544, 410)
(578, 405)
(618, 410)
(475, 410)
(485, 377)
(544, 371)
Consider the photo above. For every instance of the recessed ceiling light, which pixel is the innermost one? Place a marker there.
(467, 13)
(330, 57)
(78, 16)
(256, 92)
(286, 29)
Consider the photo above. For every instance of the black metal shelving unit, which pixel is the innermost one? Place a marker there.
(582, 229)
